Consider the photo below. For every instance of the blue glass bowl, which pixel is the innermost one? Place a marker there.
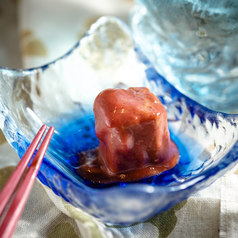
(61, 94)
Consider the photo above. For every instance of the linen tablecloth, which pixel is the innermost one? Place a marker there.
(36, 32)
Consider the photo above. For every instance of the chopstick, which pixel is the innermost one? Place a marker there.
(19, 200)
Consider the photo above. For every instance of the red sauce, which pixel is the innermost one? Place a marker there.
(134, 140)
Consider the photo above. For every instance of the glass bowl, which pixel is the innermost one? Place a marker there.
(61, 94)
(198, 53)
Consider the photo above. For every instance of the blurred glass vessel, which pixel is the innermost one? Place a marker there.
(193, 44)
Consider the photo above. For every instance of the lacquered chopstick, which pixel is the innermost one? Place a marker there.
(14, 212)
(13, 181)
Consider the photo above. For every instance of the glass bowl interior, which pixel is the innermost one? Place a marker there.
(61, 94)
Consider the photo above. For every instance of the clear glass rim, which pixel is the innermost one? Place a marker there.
(146, 188)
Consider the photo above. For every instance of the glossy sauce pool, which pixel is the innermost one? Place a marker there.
(134, 140)
(78, 136)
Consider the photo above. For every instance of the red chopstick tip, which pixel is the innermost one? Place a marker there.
(43, 127)
(51, 131)
(52, 128)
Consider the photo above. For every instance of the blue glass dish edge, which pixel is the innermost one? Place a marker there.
(211, 174)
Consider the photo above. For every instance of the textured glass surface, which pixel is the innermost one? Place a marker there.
(193, 44)
(61, 94)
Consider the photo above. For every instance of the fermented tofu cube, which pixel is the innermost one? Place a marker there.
(132, 129)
